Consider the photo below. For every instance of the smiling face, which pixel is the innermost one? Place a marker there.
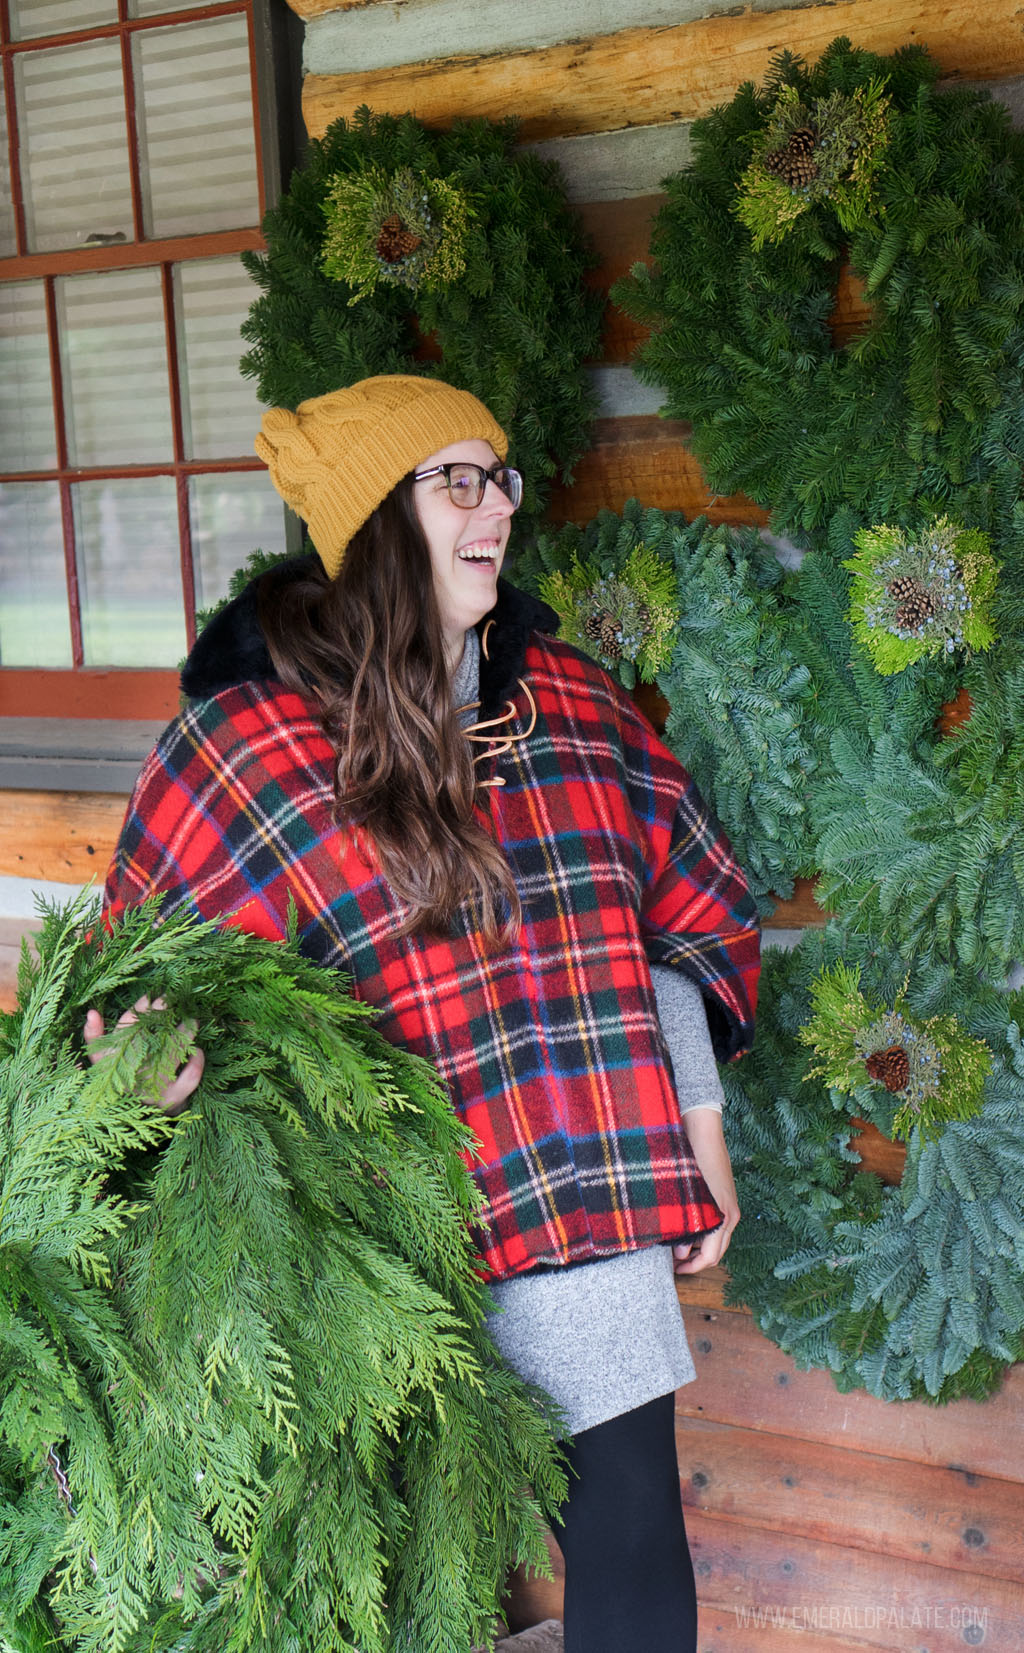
(466, 547)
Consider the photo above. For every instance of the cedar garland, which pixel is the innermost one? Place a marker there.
(248, 1400)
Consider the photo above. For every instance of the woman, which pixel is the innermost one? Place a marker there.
(472, 822)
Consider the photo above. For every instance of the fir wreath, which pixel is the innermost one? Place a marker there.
(248, 1400)
(912, 1292)
(930, 399)
(391, 233)
(738, 696)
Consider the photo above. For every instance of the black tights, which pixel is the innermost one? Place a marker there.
(628, 1575)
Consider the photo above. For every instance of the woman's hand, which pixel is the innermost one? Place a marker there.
(707, 1139)
(174, 1096)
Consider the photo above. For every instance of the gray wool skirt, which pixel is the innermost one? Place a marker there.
(601, 1338)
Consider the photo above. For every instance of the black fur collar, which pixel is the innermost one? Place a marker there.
(231, 649)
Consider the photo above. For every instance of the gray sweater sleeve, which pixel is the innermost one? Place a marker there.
(685, 1026)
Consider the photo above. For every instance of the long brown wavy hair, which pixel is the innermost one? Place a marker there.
(370, 646)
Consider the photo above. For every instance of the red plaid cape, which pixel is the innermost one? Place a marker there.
(550, 1048)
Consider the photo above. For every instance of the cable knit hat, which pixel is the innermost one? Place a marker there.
(337, 456)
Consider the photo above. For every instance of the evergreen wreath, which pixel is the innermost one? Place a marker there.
(737, 695)
(391, 234)
(912, 1292)
(248, 1400)
(923, 847)
(929, 401)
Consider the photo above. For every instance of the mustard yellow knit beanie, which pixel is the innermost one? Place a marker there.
(337, 456)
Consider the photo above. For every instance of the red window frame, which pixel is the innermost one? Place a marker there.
(84, 691)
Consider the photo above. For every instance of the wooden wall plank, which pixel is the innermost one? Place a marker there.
(744, 1379)
(879, 1602)
(919, 1512)
(645, 457)
(65, 836)
(644, 76)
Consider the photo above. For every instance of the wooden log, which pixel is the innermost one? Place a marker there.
(878, 1153)
(798, 911)
(645, 457)
(743, 1379)
(620, 232)
(919, 1512)
(316, 8)
(643, 76)
(880, 1601)
(12, 931)
(68, 837)
(93, 693)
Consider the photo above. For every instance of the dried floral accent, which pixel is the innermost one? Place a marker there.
(625, 618)
(828, 151)
(919, 594)
(399, 228)
(934, 1069)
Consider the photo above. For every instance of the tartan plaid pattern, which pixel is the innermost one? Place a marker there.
(550, 1048)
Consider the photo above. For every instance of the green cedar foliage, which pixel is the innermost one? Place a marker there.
(910, 1292)
(930, 399)
(514, 328)
(253, 1335)
(736, 693)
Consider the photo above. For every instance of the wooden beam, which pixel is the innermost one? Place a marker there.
(644, 76)
(67, 837)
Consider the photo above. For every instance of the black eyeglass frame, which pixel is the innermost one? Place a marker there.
(515, 498)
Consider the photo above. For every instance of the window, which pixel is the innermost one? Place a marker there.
(129, 490)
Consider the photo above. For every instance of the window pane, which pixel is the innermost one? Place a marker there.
(153, 8)
(8, 235)
(31, 18)
(74, 145)
(129, 572)
(34, 626)
(232, 516)
(116, 394)
(194, 99)
(27, 441)
(221, 409)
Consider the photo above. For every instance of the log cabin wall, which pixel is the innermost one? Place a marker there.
(819, 1522)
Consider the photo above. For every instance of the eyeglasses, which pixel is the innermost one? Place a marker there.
(467, 483)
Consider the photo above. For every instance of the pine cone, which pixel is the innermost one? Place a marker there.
(395, 242)
(603, 627)
(794, 163)
(914, 601)
(890, 1068)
